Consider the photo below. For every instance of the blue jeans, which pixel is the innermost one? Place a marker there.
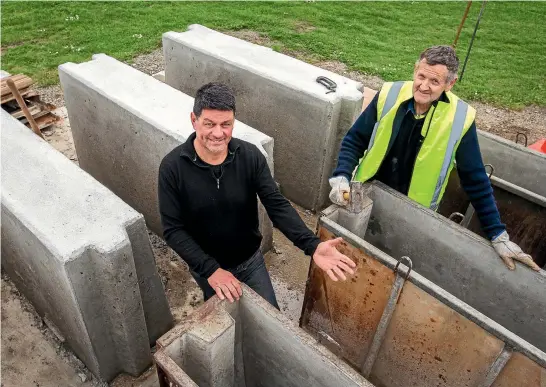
(252, 272)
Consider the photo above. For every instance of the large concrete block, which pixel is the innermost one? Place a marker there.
(80, 255)
(277, 95)
(244, 344)
(124, 122)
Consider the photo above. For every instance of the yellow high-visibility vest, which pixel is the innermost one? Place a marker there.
(435, 160)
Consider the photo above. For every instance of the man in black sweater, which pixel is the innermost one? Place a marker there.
(208, 189)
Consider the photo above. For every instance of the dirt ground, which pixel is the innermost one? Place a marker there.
(33, 356)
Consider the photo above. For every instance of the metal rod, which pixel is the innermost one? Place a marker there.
(379, 335)
(462, 24)
(468, 216)
(472, 40)
(497, 367)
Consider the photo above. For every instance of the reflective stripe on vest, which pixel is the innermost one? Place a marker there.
(389, 103)
(447, 123)
(454, 136)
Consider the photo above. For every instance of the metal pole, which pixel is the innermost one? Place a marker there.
(462, 23)
(472, 40)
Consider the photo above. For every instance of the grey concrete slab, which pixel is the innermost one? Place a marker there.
(248, 343)
(514, 163)
(277, 95)
(80, 255)
(460, 262)
(124, 122)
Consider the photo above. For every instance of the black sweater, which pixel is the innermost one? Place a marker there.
(213, 222)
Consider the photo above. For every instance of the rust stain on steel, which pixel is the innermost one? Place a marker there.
(521, 371)
(429, 344)
(354, 307)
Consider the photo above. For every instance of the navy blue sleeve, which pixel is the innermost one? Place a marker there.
(476, 184)
(356, 141)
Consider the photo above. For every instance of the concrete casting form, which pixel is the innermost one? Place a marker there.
(124, 122)
(399, 327)
(279, 96)
(80, 255)
(245, 344)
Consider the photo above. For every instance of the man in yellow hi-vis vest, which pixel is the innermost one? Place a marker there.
(409, 138)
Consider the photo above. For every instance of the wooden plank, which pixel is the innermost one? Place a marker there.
(39, 114)
(9, 97)
(33, 109)
(21, 82)
(47, 120)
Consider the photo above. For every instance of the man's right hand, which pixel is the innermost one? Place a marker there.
(340, 186)
(225, 285)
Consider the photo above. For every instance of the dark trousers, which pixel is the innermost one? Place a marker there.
(252, 272)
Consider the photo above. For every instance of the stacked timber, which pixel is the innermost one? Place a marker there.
(40, 111)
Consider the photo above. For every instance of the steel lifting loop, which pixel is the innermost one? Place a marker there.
(328, 83)
(524, 136)
(456, 214)
(492, 169)
(408, 263)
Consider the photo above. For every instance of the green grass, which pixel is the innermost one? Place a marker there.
(506, 66)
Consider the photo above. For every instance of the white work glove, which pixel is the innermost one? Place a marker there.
(340, 185)
(508, 251)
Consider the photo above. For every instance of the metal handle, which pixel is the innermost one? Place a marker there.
(454, 215)
(524, 136)
(492, 169)
(328, 83)
(408, 263)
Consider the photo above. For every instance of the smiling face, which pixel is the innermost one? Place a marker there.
(429, 82)
(214, 129)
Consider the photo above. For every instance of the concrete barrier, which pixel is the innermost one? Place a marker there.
(277, 95)
(124, 122)
(402, 329)
(80, 255)
(247, 343)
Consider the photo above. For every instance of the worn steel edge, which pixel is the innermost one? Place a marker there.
(448, 299)
(519, 191)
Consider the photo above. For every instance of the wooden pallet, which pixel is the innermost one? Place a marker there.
(40, 111)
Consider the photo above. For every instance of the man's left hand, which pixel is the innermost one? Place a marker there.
(509, 251)
(329, 259)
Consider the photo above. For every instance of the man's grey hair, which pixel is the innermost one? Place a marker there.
(443, 55)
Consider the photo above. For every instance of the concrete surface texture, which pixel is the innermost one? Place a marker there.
(401, 329)
(80, 255)
(514, 163)
(247, 343)
(124, 122)
(277, 95)
(460, 262)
